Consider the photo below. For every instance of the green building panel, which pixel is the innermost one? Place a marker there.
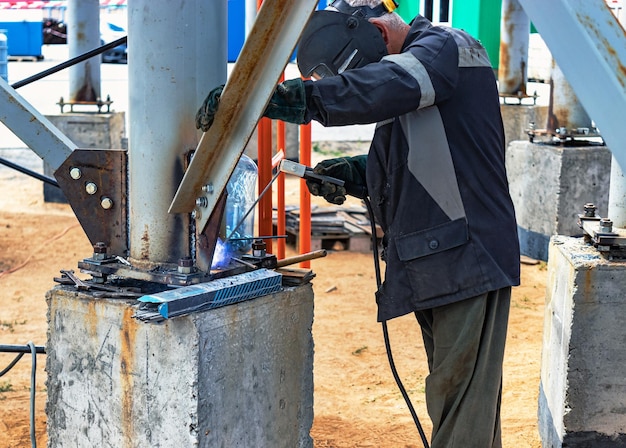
(480, 18)
(408, 9)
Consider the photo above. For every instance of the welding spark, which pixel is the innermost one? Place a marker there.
(221, 256)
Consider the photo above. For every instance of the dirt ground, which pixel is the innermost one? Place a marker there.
(357, 403)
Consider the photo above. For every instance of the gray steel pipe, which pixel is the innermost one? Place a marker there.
(514, 38)
(177, 54)
(83, 35)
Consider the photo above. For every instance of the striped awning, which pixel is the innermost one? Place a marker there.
(56, 4)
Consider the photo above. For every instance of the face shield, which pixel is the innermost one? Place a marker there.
(335, 41)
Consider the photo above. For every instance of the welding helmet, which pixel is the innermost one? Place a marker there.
(341, 38)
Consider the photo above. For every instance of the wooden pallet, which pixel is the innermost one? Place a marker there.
(333, 228)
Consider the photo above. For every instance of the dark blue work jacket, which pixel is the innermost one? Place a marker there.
(435, 170)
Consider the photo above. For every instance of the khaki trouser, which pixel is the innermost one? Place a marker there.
(465, 347)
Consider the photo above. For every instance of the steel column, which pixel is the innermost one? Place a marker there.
(178, 54)
(514, 37)
(83, 35)
(589, 45)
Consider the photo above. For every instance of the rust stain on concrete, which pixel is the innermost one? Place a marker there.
(127, 362)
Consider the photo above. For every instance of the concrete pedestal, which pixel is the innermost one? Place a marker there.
(582, 399)
(550, 185)
(517, 119)
(102, 131)
(237, 376)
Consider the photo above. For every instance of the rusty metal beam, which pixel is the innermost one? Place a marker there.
(589, 45)
(262, 60)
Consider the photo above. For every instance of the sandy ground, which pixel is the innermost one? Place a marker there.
(357, 403)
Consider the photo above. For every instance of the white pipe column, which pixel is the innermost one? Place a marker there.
(251, 11)
(514, 38)
(177, 54)
(83, 35)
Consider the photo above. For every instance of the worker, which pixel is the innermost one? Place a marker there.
(435, 174)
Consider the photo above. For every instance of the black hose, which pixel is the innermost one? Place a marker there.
(30, 173)
(392, 364)
(70, 62)
(33, 373)
(21, 350)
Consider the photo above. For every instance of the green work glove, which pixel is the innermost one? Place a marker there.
(288, 102)
(206, 113)
(349, 169)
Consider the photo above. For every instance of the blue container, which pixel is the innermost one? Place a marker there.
(24, 38)
(4, 56)
(237, 27)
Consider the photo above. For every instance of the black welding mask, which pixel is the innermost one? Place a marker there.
(341, 38)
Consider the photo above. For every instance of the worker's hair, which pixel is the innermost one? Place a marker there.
(393, 19)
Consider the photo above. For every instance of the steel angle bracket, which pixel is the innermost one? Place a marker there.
(263, 58)
(589, 45)
(94, 182)
(611, 242)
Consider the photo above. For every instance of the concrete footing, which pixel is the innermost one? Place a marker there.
(550, 185)
(519, 118)
(237, 376)
(582, 400)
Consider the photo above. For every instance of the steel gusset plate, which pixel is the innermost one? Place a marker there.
(206, 238)
(94, 182)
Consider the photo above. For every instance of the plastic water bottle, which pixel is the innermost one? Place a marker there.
(4, 56)
(241, 190)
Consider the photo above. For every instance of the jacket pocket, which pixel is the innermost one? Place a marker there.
(441, 262)
(433, 240)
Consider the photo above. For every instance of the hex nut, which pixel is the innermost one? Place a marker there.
(91, 188)
(106, 203)
(75, 173)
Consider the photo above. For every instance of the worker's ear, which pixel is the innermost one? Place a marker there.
(382, 27)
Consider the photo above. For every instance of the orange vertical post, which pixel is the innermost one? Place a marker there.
(264, 160)
(280, 212)
(264, 131)
(305, 197)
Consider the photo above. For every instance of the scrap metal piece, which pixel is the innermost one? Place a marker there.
(97, 290)
(98, 195)
(262, 60)
(205, 296)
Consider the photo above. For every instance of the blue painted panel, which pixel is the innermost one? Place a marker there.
(23, 38)
(237, 26)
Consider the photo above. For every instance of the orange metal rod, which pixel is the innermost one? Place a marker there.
(280, 218)
(264, 146)
(305, 196)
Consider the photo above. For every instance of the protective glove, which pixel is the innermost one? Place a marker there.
(206, 113)
(349, 169)
(288, 102)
